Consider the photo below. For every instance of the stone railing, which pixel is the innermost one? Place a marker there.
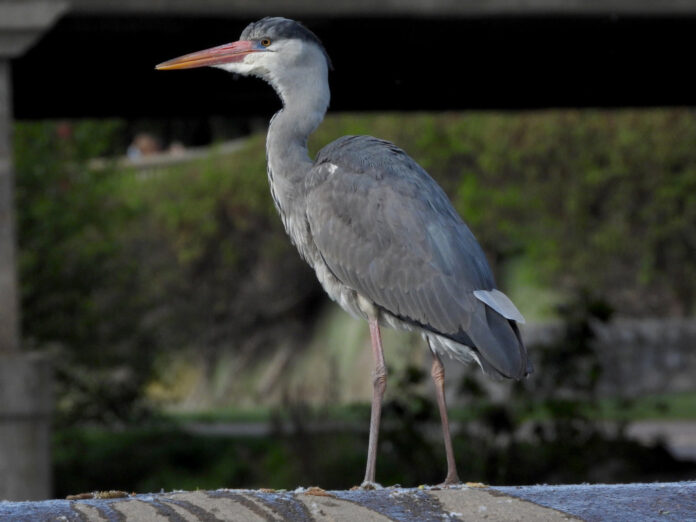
(667, 501)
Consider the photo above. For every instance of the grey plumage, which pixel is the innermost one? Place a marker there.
(376, 227)
(381, 235)
(275, 27)
(386, 230)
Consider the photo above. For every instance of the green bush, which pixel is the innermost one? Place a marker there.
(604, 200)
(77, 287)
(119, 268)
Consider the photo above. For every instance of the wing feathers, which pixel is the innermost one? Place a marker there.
(501, 303)
(388, 231)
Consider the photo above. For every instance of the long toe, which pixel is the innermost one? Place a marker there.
(368, 485)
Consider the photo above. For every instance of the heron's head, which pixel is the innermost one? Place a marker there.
(279, 50)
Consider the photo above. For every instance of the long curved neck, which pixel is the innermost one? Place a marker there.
(305, 96)
(286, 143)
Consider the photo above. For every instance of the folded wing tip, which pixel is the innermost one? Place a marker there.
(501, 303)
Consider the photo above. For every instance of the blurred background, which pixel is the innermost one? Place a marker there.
(172, 338)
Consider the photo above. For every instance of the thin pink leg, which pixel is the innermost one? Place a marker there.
(438, 374)
(379, 384)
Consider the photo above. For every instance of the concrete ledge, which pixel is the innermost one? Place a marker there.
(615, 502)
(635, 502)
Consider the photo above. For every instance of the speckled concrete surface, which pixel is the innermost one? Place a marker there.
(663, 501)
(634, 502)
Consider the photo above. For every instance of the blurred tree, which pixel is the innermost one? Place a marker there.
(215, 267)
(77, 292)
(119, 269)
(604, 200)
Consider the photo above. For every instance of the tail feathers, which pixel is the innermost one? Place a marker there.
(530, 367)
(498, 343)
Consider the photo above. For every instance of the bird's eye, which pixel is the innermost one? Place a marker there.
(266, 42)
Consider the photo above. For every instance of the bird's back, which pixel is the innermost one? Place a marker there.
(385, 229)
(402, 199)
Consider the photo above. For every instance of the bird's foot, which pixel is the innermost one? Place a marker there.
(451, 481)
(368, 485)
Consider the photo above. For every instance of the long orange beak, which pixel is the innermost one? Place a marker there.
(231, 52)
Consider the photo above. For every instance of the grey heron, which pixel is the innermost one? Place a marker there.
(382, 236)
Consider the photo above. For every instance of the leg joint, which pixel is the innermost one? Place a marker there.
(379, 378)
(437, 370)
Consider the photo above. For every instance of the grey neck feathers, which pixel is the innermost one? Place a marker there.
(305, 97)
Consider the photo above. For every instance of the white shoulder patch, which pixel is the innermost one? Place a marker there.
(332, 168)
(501, 303)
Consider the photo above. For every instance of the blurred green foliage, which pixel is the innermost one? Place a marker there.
(76, 284)
(215, 267)
(121, 267)
(501, 443)
(604, 200)
(68, 222)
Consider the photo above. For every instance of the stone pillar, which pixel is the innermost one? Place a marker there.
(25, 427)
(25, 379)
(9, 310)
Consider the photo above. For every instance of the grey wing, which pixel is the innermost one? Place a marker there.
(387, 230)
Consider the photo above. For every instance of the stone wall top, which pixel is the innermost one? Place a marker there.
(666, 501)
